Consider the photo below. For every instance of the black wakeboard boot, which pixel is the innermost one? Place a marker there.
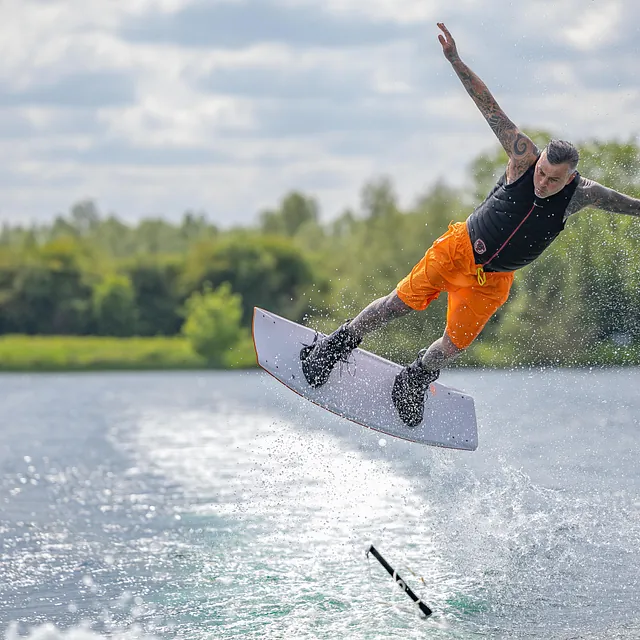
(321, 356)
(409, 389)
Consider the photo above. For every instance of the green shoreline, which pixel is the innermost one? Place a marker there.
(20, 353)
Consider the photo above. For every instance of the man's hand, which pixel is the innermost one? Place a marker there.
(448, 43)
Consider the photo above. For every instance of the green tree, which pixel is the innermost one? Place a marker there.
(85, 217)
(49, 292)
(213, 323)
(267, 271)
(379, 199)
(155, 282)
(115, 237)
(114, 306)
(296, 211)
(195, 227)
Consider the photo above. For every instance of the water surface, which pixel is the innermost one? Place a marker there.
(221, 505)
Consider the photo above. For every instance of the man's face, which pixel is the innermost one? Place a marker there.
(549, 178)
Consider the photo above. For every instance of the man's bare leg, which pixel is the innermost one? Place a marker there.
(319, 358)
(390, 307)
(440, 354)
(379, 313)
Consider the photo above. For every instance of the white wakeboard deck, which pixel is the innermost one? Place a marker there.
(361, 390)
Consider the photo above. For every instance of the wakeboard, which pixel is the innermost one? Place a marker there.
(360, 391)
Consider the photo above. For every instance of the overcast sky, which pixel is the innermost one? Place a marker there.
(152, 107)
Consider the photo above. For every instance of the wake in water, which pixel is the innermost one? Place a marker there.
(489, 551)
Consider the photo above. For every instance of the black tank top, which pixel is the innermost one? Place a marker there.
(512, 227)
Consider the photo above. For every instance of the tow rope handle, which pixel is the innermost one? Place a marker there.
(403, 585)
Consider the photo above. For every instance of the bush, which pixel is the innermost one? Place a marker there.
(213, 324)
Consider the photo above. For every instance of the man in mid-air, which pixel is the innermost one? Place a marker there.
(474, 261)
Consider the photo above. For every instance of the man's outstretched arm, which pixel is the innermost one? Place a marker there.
(520, 148)
(593, 194)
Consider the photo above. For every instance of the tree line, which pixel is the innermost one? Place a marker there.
(87, 273)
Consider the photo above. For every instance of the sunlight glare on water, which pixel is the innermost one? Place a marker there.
(312, 506)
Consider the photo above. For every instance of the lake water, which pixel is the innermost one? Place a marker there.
(221, 505)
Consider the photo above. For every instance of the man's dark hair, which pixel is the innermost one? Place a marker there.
(561, 151)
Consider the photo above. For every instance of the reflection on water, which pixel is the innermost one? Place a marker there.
(221, 505)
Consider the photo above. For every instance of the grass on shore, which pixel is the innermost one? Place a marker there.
(91, 353)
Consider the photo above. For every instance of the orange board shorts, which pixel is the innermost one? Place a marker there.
(449, 265)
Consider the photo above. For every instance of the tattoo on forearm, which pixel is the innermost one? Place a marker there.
(481, 95)
(593, 194)
(515, 143)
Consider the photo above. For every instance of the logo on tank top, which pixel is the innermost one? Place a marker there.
(479, 246)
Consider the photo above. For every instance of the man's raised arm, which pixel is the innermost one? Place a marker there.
(520, 149)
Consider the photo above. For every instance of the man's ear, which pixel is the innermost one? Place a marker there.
(572, 178)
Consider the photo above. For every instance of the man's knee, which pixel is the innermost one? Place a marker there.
(449, 347)
(395, 305)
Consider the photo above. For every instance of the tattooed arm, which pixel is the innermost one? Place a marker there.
(521, 150)
(592, 194)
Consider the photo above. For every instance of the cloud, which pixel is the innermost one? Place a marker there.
(240, 24)
(119, 154)
(83, 90)
(596, 26)
(163, 105)
(285, 84)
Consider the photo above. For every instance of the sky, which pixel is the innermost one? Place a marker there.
(155, 107)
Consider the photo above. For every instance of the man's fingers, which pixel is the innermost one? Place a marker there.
(444, 30)
(442, 40)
